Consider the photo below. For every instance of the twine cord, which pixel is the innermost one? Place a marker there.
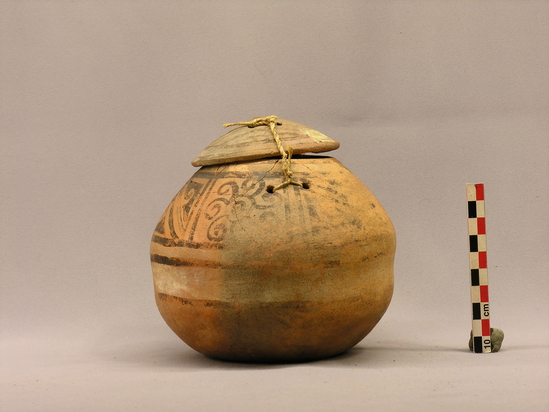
(285, 153)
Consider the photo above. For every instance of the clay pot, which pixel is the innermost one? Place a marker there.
(298, 274)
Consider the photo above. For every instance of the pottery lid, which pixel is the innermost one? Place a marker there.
(249, 143)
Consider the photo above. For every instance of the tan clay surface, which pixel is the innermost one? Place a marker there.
(248, 143)
(298, 274)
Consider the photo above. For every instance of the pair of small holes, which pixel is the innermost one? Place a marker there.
(305, 185)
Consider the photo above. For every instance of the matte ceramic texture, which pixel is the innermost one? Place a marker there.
(243, 274)
(250, 143)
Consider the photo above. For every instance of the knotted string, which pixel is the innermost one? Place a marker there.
(286, 153)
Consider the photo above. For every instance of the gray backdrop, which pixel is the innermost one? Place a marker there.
(105, 103)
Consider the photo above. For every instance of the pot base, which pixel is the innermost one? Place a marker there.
(273, 332)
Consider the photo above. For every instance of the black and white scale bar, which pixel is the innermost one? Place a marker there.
(482, 342)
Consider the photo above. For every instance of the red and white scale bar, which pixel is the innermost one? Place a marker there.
(482, 342)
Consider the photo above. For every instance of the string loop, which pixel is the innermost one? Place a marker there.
(285, 153)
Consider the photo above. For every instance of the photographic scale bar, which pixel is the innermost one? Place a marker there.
(482, 342)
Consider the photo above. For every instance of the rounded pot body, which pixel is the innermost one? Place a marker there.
(298, 274)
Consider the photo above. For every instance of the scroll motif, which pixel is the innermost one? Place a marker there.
(237, 199)
(208, 206)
